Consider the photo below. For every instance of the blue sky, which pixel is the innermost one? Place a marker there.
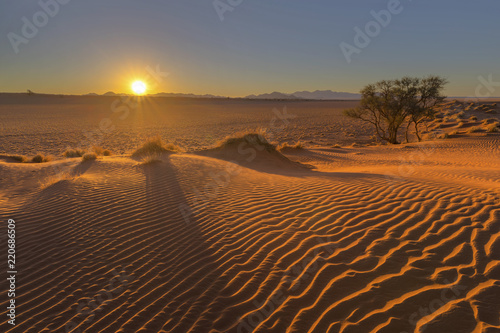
(260, 46)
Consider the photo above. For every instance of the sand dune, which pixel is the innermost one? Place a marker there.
(196, 243)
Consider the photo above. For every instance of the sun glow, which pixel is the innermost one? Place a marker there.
(139, 87)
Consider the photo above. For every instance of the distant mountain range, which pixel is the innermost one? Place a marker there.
(315, 95)
(318, 95)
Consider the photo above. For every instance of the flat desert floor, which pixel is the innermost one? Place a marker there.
(342, 234)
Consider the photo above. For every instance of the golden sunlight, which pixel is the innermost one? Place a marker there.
(139, 87)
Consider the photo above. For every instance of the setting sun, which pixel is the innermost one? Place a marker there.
(139, 87)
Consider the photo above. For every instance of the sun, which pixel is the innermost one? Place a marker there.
(139, 87)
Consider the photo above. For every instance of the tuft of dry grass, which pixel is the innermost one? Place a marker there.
(99, 151)
(39, 158)
(151, 159)
(51, 180)
(297, 145)
(336, 146)
(89, 157)
(493, 128)
(19, 158)
(70, 153)
(154, 146)
(252, 137)
(474, 129)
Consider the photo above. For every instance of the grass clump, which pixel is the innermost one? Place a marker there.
(70, 153)
(285, 145)
(89, 157)
(493, 128)
(19, 158)
(39, 158)
(99, 151)
(252, 137)
(474, 129)
(151, 159)
(155, 146)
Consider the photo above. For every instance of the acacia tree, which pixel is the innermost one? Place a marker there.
(388, 104)
(423, 108)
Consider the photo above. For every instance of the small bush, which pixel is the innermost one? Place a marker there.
(337, 146)
(493, 128)
(39, 158)
(89, 157)
(107, 152)
(70, 153)
(473, 118)
(97, 150)
(19, 158)
(151, 159)
(297, 145)
(252, 137)
(155, 146)
(474, 129)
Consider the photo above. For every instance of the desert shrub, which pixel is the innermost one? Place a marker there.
(39, 158)
(489, 121)
(251, 137)
(473, 118)
(474, 129)
(297, 145)
(19, 158)
(155, 146)
(74, 153)
(388, 104)
(54, 179)
(97, 150)
(337, 146)
(89, 157)
(151, 159)
(492, 128)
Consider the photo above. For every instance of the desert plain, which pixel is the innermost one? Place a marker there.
(265, 216)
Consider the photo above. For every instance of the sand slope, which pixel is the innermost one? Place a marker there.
(197, 244)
